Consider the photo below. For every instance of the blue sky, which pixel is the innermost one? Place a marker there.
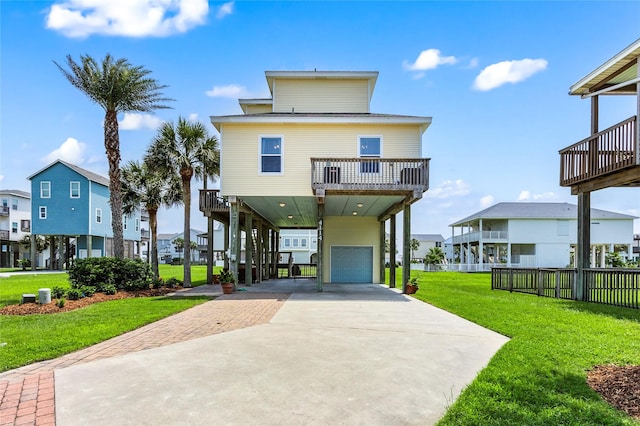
(493, 75)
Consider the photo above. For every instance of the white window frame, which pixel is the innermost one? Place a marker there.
(303, 242)
(98, 215)
(124, 223)
(287, 242)
(137, 225)
(71, 189)
(47, 189)
(361, 155)
(295, 242)
(260, 155)
(5, 202)
(14, 227)
(42, 212)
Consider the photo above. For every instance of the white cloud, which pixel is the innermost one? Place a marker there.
(193, 117)
(429, 59)
(449, 188)
(496, 75)
(1, 178)
(486, 201)
(134, 121)
(473, 63)
(70, 151)
(528, 196)
(229, 91)
(225, 9)
(130, 18)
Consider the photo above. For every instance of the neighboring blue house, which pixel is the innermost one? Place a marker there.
(72, 202)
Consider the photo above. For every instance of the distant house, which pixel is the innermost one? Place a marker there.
(535, 235)
(302, 243)
(167, 250)
(73, 203)
(15, 224)
(427, 241)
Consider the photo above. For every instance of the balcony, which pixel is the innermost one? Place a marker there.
(4, 235)
(212, 202)
(145, 234)
(384, 176)
(487, 236)
(611, 152)
(4, 210)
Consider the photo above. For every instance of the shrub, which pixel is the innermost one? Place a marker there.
(88, 290)
(60, 303)
(109, 289)
(100, 272)
(172, 282)
(157, 283)
(58, 292)
(74, 294)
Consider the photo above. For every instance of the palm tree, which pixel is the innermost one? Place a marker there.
(435, 256)
(414, 245)
(185, 150)
(117, 86)
(144, 186)
(179, 243)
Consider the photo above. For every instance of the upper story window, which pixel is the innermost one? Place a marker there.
(43, 212)
(137, 225)
(271, 154)
(98, 215)
(5, 202)
(295, 242)
(75, 189)
(287, 242)
(14, 204)
(303, 242)
(124, 223)
(45, 189)
(370, 147)
(438, 244)
(25, 225)
(14, 227)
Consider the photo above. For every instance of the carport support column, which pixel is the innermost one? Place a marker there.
(381, 256)
(248, 248)
(210, 246)
(584, 241)
(227, 249)
(61, 252)
(320, 261)
(392, 251)
(406, 246)
(234, 231)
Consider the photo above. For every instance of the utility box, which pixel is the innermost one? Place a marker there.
(44, 296)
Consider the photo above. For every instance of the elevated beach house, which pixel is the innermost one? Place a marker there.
(606, 158)
(70, 202)
(15, 224)
(314, 156)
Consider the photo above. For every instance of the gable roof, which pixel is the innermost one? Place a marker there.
(17, 192)
(619, 70)
(522, 210)
(94, 177)
(428, 237)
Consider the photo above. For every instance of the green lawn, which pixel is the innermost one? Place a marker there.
(30, 338)
(539, 376)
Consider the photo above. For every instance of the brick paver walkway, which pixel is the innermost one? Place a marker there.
(27, 393)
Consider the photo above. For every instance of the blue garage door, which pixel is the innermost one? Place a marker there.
(351, 264)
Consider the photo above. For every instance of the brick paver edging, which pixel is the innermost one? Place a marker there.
(27, 393)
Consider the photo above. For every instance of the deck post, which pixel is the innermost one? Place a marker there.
(60, 252)
(392, 252)
(584, 241)
(406, 249)
(34, 252)
(210, 249)
(381, 280)
(248, 248)
(320, 264)
(234, 232)
(227, 249)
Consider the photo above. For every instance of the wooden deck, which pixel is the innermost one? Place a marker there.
(608, 158)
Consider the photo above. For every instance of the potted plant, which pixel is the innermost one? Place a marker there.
(227, 281)
(412, 285)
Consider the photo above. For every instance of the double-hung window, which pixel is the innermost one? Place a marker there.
(43, 212)
(370, 147)
(14, 204)
(14, 227)
(271, 154)
(75, 189)
(45, 189)
(98, 215)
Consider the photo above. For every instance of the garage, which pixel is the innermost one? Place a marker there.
(351, 264)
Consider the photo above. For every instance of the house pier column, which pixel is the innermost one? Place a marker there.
(508, 254)
(248, 248)
(90, 245)
(61, 252)
(320, 264)
(234, 232)
(210, 246)
(392, 251)
(406, 249)
(227, 250)
(480, 248)
(382, 241)
(34, 252)
(584, 242)
(603, 257)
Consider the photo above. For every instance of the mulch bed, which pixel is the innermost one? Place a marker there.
(70, 305)
(619, 386)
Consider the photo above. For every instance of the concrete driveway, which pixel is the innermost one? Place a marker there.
(354, 354)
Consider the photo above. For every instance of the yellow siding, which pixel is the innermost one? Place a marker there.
(258, 109)
(351, 231)
(240, 153)
(321, 96)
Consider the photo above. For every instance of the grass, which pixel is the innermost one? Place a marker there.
(31, 338)
(539, 376)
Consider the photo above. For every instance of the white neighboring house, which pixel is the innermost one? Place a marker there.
(302, 243)
(15, 224)
(536, 235)
(427, 241)
(167, 249)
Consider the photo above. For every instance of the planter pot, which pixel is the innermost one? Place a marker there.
(411, 289)
(227, 288)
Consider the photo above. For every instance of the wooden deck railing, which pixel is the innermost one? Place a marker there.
(4, 235)
(608, 151)
(211, 201)
(370, 174)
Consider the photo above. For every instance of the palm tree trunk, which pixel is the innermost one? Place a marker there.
(153, 253)
(186, 193)
(112, 147)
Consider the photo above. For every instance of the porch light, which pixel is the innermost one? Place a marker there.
(290, 216)
(359, 205)
(355, 213)
(282, 204)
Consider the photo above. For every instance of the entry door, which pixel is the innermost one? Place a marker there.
(351, 264)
